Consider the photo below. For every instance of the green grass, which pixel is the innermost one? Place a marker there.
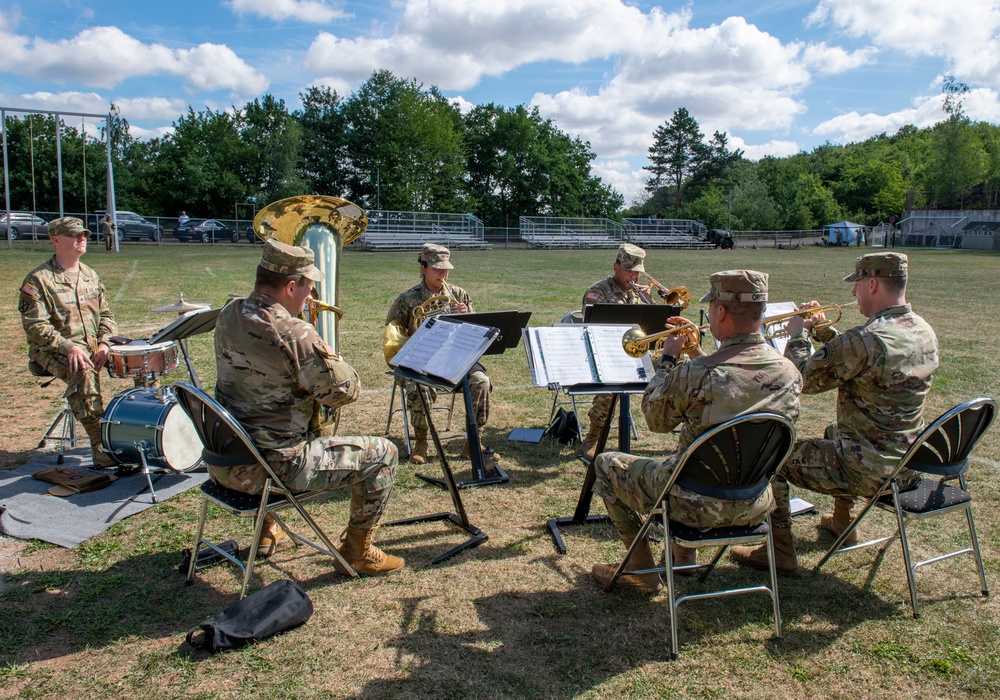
(511, 618)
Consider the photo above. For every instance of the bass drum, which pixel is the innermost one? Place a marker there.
(152, 419)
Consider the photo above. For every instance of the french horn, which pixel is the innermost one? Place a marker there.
(395, 336)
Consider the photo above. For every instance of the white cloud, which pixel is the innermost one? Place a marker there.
(155, 108)
(149, 134)
(756, 151)
(71, 101)
(834, 59)
(106, 56)
(312, 11)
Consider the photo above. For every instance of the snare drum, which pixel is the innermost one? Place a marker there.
(140, 359)
(150, 418)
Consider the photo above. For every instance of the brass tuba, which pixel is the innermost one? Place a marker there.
(324, 225)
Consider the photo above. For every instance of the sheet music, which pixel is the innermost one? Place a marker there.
(614, 365)
(444, 349)
(570, 355)
(775, 309)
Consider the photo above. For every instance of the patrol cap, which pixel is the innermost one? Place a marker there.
(67, 226)
(436, 256)
(872, 265)
(738, 285)
(290, 260)
(630, 257)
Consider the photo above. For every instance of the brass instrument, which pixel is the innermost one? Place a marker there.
(676, 296)
(395, 336)
(636, 343)
(774, 326)
(324, 225)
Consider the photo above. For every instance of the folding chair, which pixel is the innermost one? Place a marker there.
(399, 387)
(63, 426)
(228, 445)
(735, 460)
(941, 451)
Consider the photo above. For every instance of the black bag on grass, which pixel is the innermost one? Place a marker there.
(276, 607)
(564, 427)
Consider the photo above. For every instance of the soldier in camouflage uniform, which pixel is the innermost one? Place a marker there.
(613, 290)
(66, 317)
(743, 375)
(882, 372)
(274, 374)
(435, 262)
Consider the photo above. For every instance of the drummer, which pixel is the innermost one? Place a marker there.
(68, 322)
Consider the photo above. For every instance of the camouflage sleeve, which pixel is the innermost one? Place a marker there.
(108, 326)
(591, 296)
(467, 300)
(321, 372)
(838, 361)
(398, 312)
(36, 318)
(666, 398)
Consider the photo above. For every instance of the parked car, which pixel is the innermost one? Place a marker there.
(130, 226)
(23, 223)
(252, 236)
(206, 231)
(720, 237)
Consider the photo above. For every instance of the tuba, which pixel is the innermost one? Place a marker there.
(324, 225)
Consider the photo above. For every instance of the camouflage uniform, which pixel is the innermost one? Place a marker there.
(745, 375)
(607, 291)
(60, 310)
(274, 373)
(401, 312)
(882, 371)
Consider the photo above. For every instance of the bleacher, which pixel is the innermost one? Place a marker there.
(682, 234)
(408, 230)
(563, 232)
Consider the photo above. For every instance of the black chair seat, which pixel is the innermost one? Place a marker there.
(928, 496)
(690, 534)
(237, 500)
(38, 370)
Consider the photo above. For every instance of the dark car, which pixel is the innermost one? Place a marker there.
(23, 223)
(252, 236)
(206, 231)
(130, 226)
(720, 237)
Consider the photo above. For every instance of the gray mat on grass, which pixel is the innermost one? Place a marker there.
(27, 511)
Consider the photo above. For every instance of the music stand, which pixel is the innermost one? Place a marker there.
(190, 324)
(651, 318)
(509, 323)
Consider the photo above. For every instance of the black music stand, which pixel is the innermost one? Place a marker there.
(190, 324)
(651, 318)
(619, 392)
(459, 518)
(510, 324)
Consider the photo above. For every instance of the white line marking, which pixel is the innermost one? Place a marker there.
(128, 278)
(209, 271)
(983, 460)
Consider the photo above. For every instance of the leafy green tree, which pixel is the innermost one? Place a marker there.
(678, 151)
(959, 156)
(271, 141)
(324, 158)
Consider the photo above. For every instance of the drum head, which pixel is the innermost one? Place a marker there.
(180, 442)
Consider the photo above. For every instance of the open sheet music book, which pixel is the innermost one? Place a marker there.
(571, 354)
(776, 308)
(445, 348)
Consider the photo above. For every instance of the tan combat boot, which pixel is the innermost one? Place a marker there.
(590, 441)
(101, 458)
(419, 453)
(837, 521)
(357, 548)
(642, 558)
(467, 451)
(684, 556)
(784, 552)
(269, 537)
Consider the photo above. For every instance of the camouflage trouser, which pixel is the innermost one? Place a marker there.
(83, 389)
(600, 409)
(366, 464)
(479, 387)
(820, 466)
(630, 487)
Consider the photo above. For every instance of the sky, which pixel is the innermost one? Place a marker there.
(777, 76)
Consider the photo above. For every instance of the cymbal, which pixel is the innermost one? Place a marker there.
(180, 307)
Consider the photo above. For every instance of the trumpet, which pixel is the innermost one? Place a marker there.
(636, 343)
(676, 296)
(774, 326)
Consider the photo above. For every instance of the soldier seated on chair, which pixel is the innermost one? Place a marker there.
(274, 373)
(882, 373)
(68, 322)
(743, 375)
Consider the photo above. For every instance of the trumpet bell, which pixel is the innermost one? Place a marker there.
(632, 342)
(678, 296)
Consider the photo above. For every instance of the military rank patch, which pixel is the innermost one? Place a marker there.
(30, 289)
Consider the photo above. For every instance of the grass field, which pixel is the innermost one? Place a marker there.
(511, 618)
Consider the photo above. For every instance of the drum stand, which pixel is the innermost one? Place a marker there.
(148, 381)
(63, 429)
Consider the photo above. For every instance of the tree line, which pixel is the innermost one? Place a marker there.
(394, 145)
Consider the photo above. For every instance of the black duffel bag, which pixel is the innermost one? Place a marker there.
(276, 607)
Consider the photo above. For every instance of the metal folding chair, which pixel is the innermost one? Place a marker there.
(227, 444)
(942, 452)
(63, 426)
(736, 461)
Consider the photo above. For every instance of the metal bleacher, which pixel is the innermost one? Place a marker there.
(563, 232)
(408, 230)
(667, 233)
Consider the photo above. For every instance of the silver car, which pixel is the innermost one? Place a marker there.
(23, 223)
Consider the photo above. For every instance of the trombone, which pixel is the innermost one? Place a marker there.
(677, 296)
(636, 343)
(774, 326)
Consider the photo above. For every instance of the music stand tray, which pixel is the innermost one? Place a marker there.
(651, 318)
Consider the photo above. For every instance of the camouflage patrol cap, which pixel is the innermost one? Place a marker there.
(877, 265)
(630, 257)
(738, 285)
(290, 260)
(436, 256)
(67, 226)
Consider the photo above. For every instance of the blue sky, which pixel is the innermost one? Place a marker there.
(778, 76)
